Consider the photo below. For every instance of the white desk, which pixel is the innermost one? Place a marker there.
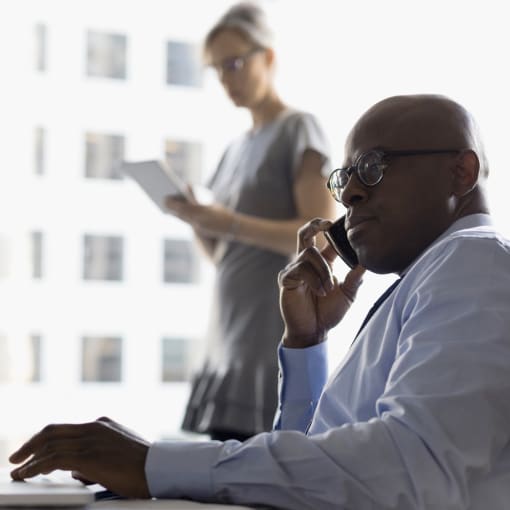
(160, 504)
(121, 504)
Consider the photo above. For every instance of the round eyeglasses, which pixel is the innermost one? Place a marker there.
(370, 166)
(234, 64)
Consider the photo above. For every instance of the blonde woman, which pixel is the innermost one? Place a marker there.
(269, 182)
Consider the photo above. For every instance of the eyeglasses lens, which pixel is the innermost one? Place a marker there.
(337, 181)
(233, 64)
(370, 168)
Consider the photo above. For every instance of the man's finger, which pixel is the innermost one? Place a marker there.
(48, 433)
(329, 253)
(352, 282)
(307, 233)
(298, 277)
(49, 460)
(81, 478)
(310, 270)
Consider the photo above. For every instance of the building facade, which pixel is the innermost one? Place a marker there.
(105, 299)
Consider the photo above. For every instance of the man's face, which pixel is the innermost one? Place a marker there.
(393, 222)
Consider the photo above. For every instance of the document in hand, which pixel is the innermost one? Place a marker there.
(156, 179)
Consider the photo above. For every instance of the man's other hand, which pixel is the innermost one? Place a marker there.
(101, 452)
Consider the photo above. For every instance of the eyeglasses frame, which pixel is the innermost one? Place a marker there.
(238, 61)
(383, 154)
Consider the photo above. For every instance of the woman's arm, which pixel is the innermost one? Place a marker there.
(312, 200)
(213, 222)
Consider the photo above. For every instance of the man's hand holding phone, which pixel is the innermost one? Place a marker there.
(312, 300)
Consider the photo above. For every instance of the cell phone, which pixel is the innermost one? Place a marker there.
(337, 238)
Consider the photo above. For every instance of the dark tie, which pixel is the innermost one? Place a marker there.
(376, 305)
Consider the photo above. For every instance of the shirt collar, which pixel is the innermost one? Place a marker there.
(469, 221)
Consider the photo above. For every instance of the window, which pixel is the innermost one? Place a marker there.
(180, 261)
(4, 359)
(183, 64)
(5, 256)
(35, 353)
(20, 361)
(185, 158)
(37, 254)
(103, 154)
(175, 359)
(40, 47)
(106, 55)
(101, 359)
(39, 150)
(103, 258)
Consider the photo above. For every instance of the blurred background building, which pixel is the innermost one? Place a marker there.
(104, 298)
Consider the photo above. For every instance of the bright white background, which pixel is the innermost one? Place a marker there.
(335, 59)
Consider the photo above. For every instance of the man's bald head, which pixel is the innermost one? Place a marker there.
(423, 121)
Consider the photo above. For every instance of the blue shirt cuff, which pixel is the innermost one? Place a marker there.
(304, 372)
(181, 469)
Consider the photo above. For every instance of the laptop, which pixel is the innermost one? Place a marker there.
(55, 490)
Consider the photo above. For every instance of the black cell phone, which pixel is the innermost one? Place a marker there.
(337, 238)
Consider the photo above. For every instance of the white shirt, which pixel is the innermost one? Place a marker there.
(417, 416)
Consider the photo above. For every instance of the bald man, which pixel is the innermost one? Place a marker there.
(417, 416)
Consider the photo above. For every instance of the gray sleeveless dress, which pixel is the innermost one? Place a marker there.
(236, 389)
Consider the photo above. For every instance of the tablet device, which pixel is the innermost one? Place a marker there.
(156, 179)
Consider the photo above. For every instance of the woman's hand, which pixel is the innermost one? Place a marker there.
(312, 301)
(212, 220)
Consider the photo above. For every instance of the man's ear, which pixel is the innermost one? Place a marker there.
(465, 172)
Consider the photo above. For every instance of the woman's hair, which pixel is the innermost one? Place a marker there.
(246, 18)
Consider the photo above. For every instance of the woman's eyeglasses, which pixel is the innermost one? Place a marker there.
(234, 64)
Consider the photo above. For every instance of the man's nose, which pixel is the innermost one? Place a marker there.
(354, 192)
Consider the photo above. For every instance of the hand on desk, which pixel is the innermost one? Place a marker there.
(101, 452)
